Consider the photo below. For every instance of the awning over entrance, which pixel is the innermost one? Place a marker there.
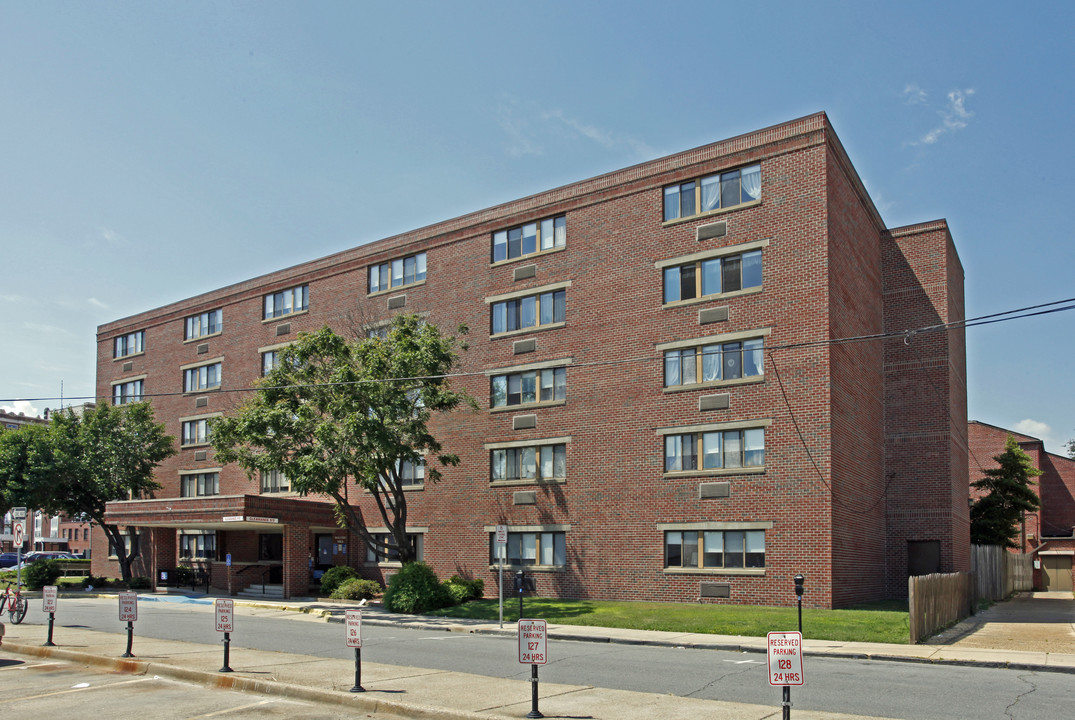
(223, 512)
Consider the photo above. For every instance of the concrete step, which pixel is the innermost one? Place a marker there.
(264, 592)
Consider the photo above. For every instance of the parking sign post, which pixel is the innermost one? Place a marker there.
(128, 613)
(533, 651)
(501, 546)
(48, 604)
(225, 623)
(353, 628)
(785, 655)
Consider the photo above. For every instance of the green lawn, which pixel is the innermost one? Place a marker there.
(873, 622)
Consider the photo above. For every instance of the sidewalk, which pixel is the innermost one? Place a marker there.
(411, 692)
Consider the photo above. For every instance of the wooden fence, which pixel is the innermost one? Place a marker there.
(937, 601)
(999, 573)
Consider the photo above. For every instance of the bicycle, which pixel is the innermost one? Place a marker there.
(14, 603)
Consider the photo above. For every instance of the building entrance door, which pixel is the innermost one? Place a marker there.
(1056, 572)
(324, 552)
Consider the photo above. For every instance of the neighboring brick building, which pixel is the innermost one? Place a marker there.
(670, 418)
(1047, 533)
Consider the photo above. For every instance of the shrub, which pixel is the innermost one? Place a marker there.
(415, 589)
(356, 589)
(460, 593)
(41, 573)
(475, 588)
(334, 577)
(139, 583)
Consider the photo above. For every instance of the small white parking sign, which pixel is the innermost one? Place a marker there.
(353, 628)
(532, 644)
(48, 599)
(225, 615)
(785, 658)
(128, 606)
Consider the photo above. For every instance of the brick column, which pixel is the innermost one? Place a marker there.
(161, 553)
(296, 560)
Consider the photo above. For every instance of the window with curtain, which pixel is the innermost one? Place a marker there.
(398, 273)
(706, 278)
(525, 312)
(714, 549)
(535, 237)
(527, 388)
(548, 549)
(713, 192)
(718, 450)
(713, 363)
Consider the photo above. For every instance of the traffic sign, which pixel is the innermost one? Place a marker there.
(20, 533)
(225, 615)
(48, 599)
(501, 534)
(128, 606)
(785, 658)
(353, 628)
(18, 513)
(532, 645)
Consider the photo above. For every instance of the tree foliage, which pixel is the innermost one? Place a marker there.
(78, 464)
(995, 516)
(335, 413)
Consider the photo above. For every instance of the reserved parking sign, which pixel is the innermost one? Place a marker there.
(785, 658)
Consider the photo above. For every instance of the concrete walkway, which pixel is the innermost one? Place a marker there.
(411, 692)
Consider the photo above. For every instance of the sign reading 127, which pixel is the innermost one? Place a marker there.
(532, 634)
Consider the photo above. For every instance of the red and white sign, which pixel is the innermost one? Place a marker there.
(785, 658)
(532, 645)
(501, 534)
(48, 599)
(225, 615)
(353, 628)
(128, 606)
(20, 532)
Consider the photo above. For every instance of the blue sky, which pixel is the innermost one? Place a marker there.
(153, 151)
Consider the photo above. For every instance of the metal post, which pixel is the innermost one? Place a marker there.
(800, 614)
(787, 702)
(534, 712)
(52, 619)
(130, 639)
(520, 600)
(358, 672)
(227, 653)
(501, 553)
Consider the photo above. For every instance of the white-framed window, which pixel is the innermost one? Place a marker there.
(203, 377)
(398, 273)
(715, 450)
(127, 391)
(195, 432)
(269, 360)
(286, 302)
(532, 547)
(714, 362)
(274, 481)
(206, 323)
(528, 387)
(528, 463)
(126, 546)
(529, 239)
(712, 276)
(199, 484)
(129, 344)
(411, 474)
(714, 549)
(712, 192)
(197, 545)
(529, 311)
(393, 554)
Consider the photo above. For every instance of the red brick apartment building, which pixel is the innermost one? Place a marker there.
(665, 415)
(1047, 533)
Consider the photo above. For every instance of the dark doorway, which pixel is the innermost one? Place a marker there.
(923, 557)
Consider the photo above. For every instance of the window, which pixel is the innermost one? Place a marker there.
(269, 360)
(205, 377)
(208, 323)
(533, 462)
(527, 388)
(195, 432)
(532, 311)
(393, 554)
(197, 546)
(713, 192)
(127, 392)
(402, 271)
(710, 363)
(199, 484)
(714, 549)
(713, 276)
(411, 474)
(531, 548)
(126, 546)
(274, 481)
(129, 344)
(530, 238)
(720, 449)
(285, 302)
(380, 332)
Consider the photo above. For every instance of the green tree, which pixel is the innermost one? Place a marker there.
(334, 412)
(78, 464)
(994, 517)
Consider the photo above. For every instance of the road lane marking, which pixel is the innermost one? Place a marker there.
(76, 689)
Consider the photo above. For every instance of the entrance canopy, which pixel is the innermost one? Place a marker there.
(223, 512)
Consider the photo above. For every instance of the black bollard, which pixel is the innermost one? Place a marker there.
(130, 640)
(52, 619)
(227, 652)
(358, 672)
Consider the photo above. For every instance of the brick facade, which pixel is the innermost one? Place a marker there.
(863, 446)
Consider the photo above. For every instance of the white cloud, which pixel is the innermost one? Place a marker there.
(953, 117)
(46, 329)
(605, 138)
(21, 406)
(18, 300)
(97, 303)
(913, 95)
(1041, 431)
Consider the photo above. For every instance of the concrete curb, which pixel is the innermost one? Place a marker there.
(225, 681)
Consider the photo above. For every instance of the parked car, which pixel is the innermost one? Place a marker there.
(8, 559)
(31, 557)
